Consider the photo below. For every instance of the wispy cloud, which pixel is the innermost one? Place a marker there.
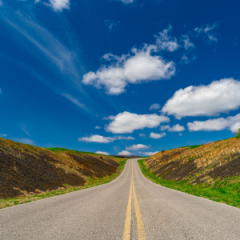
(111, 24)
(126, 1)
(74, 101)
(24, 140)
(154, 106)
(25, 130)
(1, 3)
(207, 30)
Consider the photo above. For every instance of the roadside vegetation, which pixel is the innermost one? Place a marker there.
(211, 170)
(29, 173)
(225, 191)
(61, 190)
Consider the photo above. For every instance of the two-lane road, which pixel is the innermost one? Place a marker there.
(130, 207)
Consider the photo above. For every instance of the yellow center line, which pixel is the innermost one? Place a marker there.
(140, 225)
(127, 227)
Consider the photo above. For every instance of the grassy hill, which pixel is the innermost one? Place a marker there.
(211, 170)
(27, 170)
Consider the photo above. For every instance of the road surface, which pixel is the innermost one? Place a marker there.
(130, 207)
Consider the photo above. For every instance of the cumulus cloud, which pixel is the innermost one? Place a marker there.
(149, 153)
(137, 147)
(157, 135)
(127, 122)
(56, 5)
(140, 65)
(125, 153)
(208, 31)
(104, 153)
(165, 42)
(217, 124)
(101, 139)
(97, 127)
(211, 100)
(176, 128)
(111, 24)
(154, 106)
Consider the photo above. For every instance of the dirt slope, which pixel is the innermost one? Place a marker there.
(198, 164)
(25, 169)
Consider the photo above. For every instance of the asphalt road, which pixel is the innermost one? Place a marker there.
(130, 207)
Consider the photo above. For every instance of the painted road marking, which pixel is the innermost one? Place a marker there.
(127, 227)
(140, 225)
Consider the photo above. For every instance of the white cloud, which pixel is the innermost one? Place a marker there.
(157, 135)
(154, 106)
(3, 135)
(140, 65)
(208, 31)
(217, 124)
(64, 59)
(149, 153)
(176, 128)
(126, 1)
(74, 101)
(180, 134)
(142, 135)
(111, 24)
(188, 45)
(125, 153)
(186, 60)
(24, 140)
(1, 3)
(165, 127)
(97, 127)
(211, 100)
(104, 153)
(127, 122)
(101, 139)
(137, 147)
(166, 42)
(56, 5)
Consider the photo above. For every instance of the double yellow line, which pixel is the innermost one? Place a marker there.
(140, 225)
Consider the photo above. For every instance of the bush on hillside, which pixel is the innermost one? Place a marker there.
(238, 134)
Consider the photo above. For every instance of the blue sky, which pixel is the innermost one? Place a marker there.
(126, 76)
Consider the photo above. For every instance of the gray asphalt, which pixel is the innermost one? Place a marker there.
(100, 213)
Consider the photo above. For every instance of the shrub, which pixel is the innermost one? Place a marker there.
(238, 134)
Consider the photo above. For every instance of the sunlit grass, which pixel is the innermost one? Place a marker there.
(225, 191)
